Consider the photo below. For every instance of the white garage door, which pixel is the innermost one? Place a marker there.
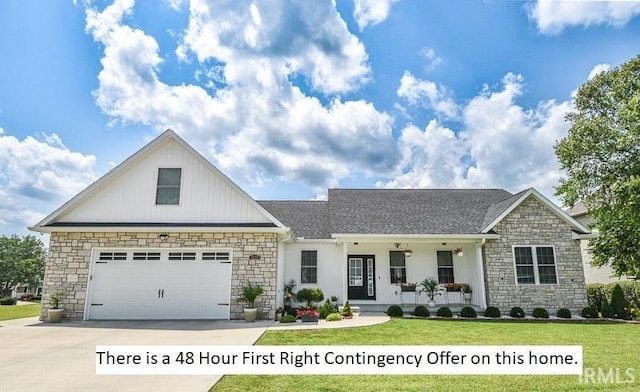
(137, 284)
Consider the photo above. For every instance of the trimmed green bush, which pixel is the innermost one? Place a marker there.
(444, 312)
(540, 313)
(619, 304)
(516, 312)
(564, 313)
(421, 311)
(589, 312)
(346, 310)
(394, 311)
(326, 309)
(492, 311)
(310, 296)
(334, 317)
(8, 301)
(607, 311)
(468, 311)
(596, 295)
(287, 318)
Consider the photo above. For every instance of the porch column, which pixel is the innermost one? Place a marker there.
(480, 266)
(345, 266)
(280, 275)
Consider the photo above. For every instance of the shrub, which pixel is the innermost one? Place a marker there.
(590, 312)
(326, 309)
(492, 311)
(444, 312)
(607, 311)
(310, 296)
(334, 317)
(287, 318)
(421, 311)
(540, 313)
(394, 311)
(8, 301)
(516, 312)
(346, 310)
(596, 295)
(468, 311)
(564, 313)
(619, 304)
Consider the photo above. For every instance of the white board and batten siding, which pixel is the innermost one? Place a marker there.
(144, 283)
(206, 195)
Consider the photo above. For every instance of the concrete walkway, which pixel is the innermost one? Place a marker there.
(36, 356)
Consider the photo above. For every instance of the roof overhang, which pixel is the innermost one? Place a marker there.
(74, 227)
(584, 236)
(354, 237)
(576, 226)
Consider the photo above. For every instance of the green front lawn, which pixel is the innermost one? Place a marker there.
(10, 312)
(606, 346)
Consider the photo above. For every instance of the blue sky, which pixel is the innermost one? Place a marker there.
(289, 98)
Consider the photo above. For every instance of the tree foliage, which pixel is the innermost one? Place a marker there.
(601, 156)
(21, 262)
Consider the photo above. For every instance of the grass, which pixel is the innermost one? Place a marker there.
(10, 312)
(606, 346)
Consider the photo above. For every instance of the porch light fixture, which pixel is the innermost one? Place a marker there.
(458, 252)
(407, 252)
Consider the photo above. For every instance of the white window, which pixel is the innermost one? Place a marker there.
(309, 266)
(397, 267)
(168, 190)
(535, 265)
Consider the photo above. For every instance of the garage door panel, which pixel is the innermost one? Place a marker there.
(174, 285)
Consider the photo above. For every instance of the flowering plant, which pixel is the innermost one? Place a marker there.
(409, 286)
(307, 313)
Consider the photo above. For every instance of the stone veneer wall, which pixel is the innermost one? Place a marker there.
(532, 223)
(67, 268)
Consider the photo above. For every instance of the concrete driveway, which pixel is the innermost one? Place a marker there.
(61, 357)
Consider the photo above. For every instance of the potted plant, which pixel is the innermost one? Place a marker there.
(334, 301)
(431, 287)
(308, 315)
(408, 287)
(249, 295)
(54, 314)
(466, 292)
(288, 292)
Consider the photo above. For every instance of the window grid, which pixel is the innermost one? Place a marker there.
(168, 186)
(445, 267)
(309, 266)
(397, 267)
(535, 265)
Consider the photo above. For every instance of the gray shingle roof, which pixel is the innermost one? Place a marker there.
(393, 211)
(308, 219)
(498, 208)
(411, 211)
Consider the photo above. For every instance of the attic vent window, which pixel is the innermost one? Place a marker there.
(168, 191)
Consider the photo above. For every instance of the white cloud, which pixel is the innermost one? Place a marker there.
(257, 125)
(36, 173)
(371, 12)
(500, 144)
(433, 61)
(553, 16)
(597, 69)
(426, 94)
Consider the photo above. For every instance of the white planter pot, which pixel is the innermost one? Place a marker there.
(250, 314)
(431, 303)
(54, 315)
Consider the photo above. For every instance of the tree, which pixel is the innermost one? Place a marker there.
(21, 262)
(601, 156)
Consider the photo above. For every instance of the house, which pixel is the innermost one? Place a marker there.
(592, 274)
(166, 235)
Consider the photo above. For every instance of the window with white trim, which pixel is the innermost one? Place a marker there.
(397, 267)
(445, 266)
(309, 266)
(535, 265)
(168, 190)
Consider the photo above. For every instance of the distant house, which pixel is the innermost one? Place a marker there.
(166, 235)
(603, 274)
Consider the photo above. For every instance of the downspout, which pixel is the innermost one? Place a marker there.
(280, 267)
(479, 260)
(345, 268)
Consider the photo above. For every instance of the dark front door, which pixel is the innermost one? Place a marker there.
(361, 276)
